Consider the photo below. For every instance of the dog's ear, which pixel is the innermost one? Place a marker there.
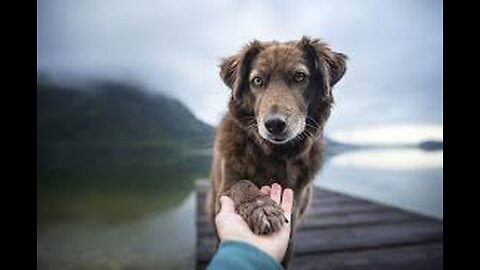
(234, 70)
(330, 62)
(228, 69)
(337, 63)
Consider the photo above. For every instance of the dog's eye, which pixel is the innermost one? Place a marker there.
(257, 81)
(299, 76)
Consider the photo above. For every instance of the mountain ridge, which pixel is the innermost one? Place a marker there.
(108, 111)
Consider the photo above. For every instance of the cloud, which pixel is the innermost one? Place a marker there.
(395, 72)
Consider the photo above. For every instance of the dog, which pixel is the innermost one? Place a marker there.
(281, 97)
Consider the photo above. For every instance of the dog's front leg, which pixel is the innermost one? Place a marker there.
(262, 214)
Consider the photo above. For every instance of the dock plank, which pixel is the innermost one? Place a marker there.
(424, 256)
(344, 232)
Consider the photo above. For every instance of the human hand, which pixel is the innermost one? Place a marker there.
(231, 226)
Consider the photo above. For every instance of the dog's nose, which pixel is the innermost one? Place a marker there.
(275, 125)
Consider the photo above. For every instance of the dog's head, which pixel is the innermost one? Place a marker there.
(282, 90)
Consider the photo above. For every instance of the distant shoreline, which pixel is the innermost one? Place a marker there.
(334, 147)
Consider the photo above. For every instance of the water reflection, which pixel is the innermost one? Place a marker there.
(145, 229)
(393, 159)
(161, 240)
(411, 179)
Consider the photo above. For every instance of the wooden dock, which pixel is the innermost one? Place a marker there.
(343, 232)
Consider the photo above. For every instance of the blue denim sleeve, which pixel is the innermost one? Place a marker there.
(233, 255)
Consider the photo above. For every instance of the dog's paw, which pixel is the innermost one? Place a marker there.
(263, 215)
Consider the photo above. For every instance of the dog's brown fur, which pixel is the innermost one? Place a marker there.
(241, 153)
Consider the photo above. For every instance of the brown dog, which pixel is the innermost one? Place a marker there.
(273, 132)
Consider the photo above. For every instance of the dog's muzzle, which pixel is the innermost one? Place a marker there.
(279, 129)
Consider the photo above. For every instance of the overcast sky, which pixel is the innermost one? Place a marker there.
(394, 74)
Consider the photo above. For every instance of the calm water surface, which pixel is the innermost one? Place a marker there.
(411, 179)
(87, 229)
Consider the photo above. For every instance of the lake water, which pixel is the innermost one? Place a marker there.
(411, 179)
(95, 229)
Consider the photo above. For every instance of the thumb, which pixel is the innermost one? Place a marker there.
(226, 205)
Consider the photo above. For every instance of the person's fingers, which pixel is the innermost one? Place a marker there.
(287, 202)
(276, 192)
(226, 205)
(265, 190)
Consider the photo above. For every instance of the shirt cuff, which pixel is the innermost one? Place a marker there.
(233, 254)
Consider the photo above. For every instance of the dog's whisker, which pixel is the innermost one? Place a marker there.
(312, 126)
(309, 135)
(313, 136)
(315, 123)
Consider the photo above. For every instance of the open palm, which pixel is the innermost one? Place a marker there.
(231, 226)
